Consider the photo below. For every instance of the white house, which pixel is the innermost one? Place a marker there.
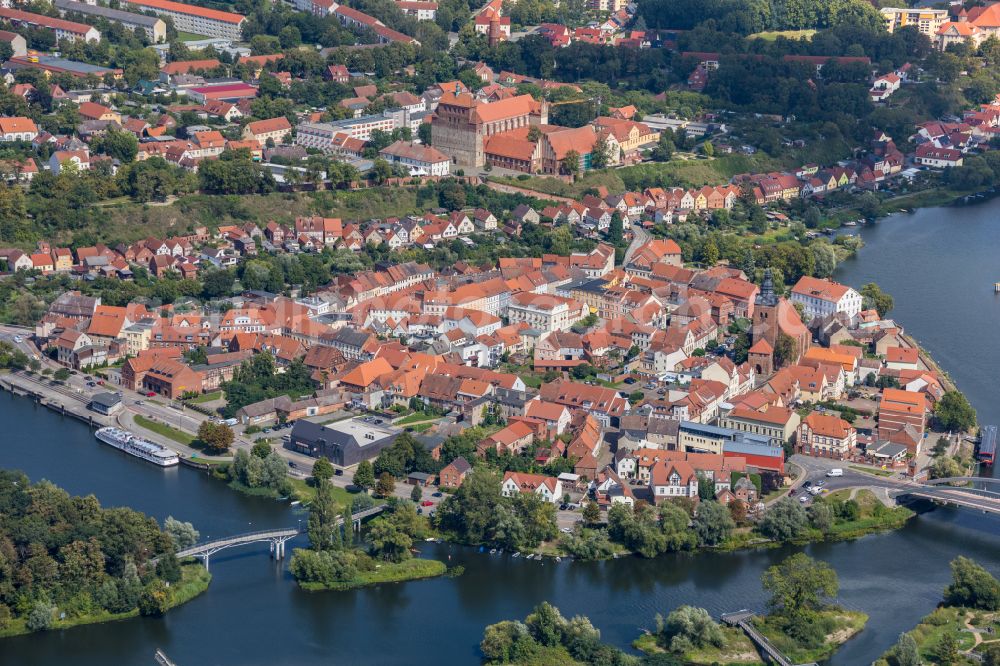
(18, 128)
(937, 158)
(419, 159)
(548, 487)
(820, 298)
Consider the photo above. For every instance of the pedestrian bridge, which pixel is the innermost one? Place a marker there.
(744, 620)
(275, 537)
(982, 495)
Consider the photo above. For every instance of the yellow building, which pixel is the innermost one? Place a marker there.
(928, 21)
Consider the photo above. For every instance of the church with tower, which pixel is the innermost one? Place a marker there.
(773, 317)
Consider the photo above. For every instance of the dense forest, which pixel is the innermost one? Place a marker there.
(66, 560)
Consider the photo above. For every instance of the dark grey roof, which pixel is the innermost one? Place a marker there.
(351, 337)
(419, 476)
(106, 399)
(107, 12)
(461, 464)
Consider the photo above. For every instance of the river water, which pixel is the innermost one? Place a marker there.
(938, 265)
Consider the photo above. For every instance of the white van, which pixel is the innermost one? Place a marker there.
(836, 471)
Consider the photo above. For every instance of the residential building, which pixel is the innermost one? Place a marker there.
(18, 128)
(548, 488)
(453, 474)
(199, 20)
(545, 312)
(275, 129)
(64, 30)
(776, 423)
(155, 29)
(821, 298)
(419, 159)
(927, 21)
(344, 443)
(826, 436)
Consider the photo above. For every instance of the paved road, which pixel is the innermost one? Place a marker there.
(639, 238)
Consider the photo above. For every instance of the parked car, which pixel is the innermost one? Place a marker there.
(835, 472)
(437, 494)
(804, 499)
(427, 503)
(629, 380)
(150, 394)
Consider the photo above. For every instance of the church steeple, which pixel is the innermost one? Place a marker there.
(766, 296)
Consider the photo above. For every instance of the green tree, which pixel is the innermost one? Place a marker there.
(873, 297)
(155, 598)
(416, 494)
(591, 513)
(946, 651)
(784, 349)
(61, 375)
(600, 154)
(41, 616)
(215, 437)
(799, 585)
(119, 144)
(570, 163)
(322, 525)
(954, 412)
(183, 534)
(386, 485)
(364, 475)
(904, 652)
(616, 230)
(972, 586)
(784, 521)
(389, 541)
(322, 470)
(686, 628)
(712, 523)
(821, 516)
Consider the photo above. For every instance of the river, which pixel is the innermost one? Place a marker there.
(254, 614)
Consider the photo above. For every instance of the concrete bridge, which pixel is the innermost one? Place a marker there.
(275, 537)
(982, 495)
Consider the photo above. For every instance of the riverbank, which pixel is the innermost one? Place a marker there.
(194, 581)
(968, 629)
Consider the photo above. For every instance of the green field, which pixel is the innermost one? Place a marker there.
(205, 397)
(189, 36)
(772, 35)
(178, 436)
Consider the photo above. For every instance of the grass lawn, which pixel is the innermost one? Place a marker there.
(843, 625)
(170, 432)
(772, 35)
(387, 572)
(305, 493)
(189, 36)
(205, 397)
(871, 470)
(416, 417)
